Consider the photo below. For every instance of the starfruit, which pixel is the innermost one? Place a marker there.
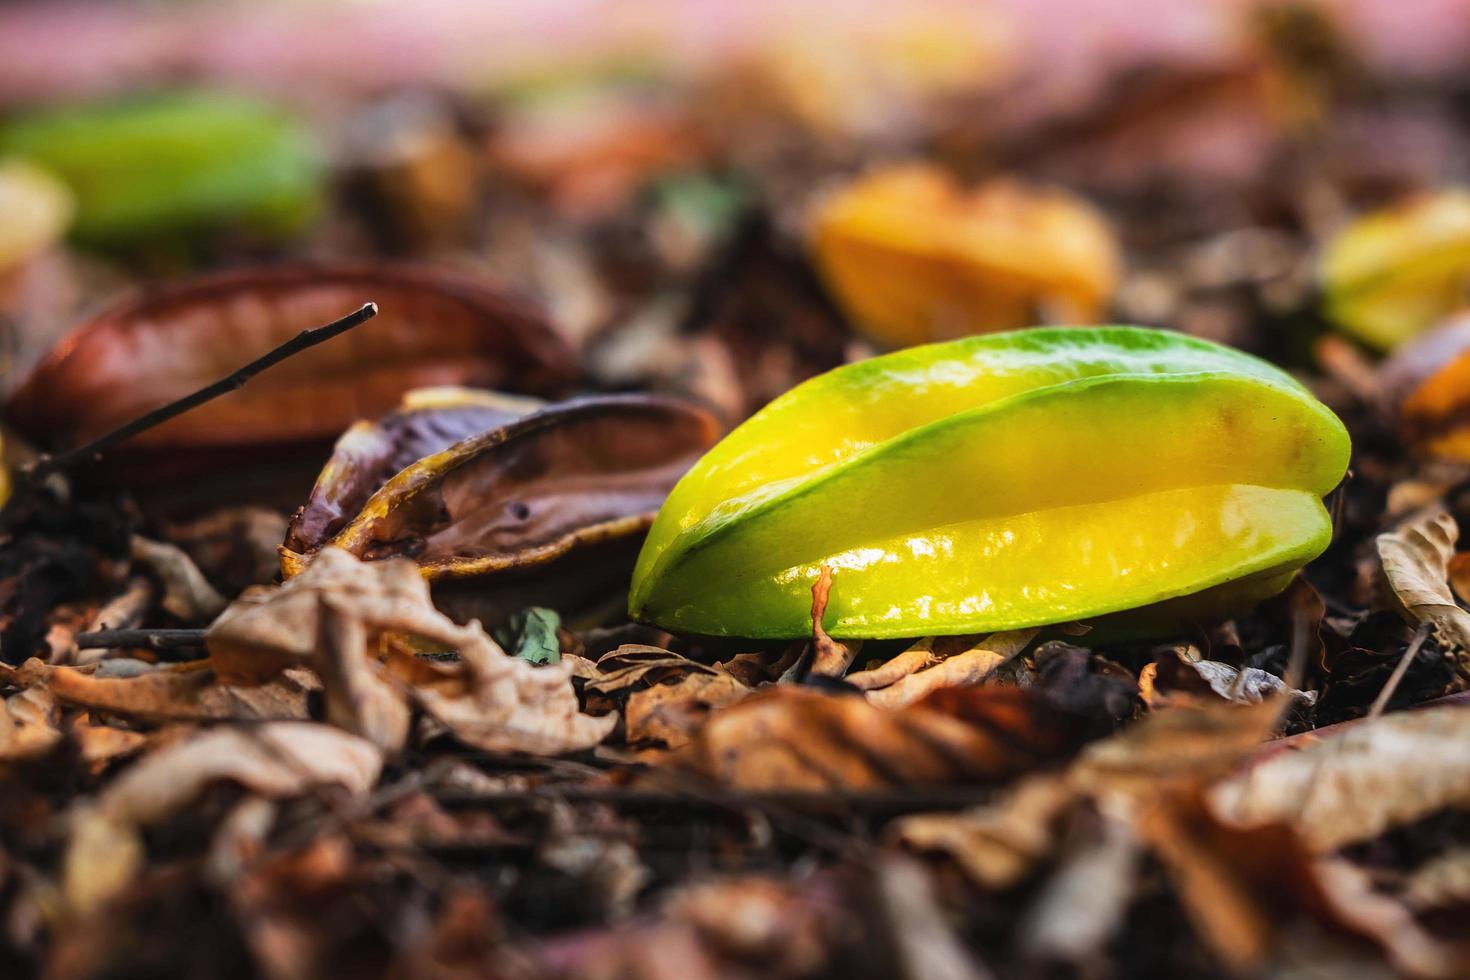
(999, 482)
(914, 257)
(544, 508)
(37, 209)
(175, 163)
(1395, 272)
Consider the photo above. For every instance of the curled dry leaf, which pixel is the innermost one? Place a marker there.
(1172, 676)
(489, 700)
(433, 327)
(829, 658)
(792, 739)
(971, 665)
(1141, 790)
(1000, 843)
(1374, 775)
(1243, 887)
(187, 595)
(1416, 558)
(28, 725)
(182, 692)
(580, 480)
(672, 713)
(276, 759)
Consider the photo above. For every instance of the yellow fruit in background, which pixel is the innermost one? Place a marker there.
(1396, 272)
(914, 257)
(35, 209)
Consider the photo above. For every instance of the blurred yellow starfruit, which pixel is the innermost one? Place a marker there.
(35, 209)
(999, 482)
(1395, 272)
(914, 257)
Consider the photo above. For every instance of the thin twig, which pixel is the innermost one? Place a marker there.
(47, 465)
(1381, 702)
(152, 639)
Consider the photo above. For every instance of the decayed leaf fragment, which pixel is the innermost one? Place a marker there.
(915, 257)
(489, 700)
(579, 481)
(919, 671)
(187, 691)
(434, 327)
(1240, 886)
(791, 739)
(1376, 774)
(276, 759)
(1416, 557)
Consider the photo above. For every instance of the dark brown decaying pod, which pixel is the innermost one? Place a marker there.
(490, 519)
(368, 454)
(434, 327)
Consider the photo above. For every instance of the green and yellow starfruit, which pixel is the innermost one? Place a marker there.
(176, 163)
(1396, 272)
(999, 482)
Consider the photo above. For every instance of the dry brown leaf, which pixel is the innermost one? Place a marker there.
(28, 725)
(1172, 676)
(997, 845)
(1376, 774)
(1441, 882)
(1242, 886)
(963, 669)
(1416, 558)
(1177, 746)
(635, 663)
(672, 713)
(99, 744)
(187, 596)
(358, 698)
(829, 657)
(489, 700)
(792, 739)
(924, 942)
(275, 759)
(1082, 906)
(184, 692)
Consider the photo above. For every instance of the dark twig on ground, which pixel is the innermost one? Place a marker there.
(154, 639)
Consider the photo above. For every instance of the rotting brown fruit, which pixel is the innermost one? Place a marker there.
(368, 454)
(434, 327)
(581, 481)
